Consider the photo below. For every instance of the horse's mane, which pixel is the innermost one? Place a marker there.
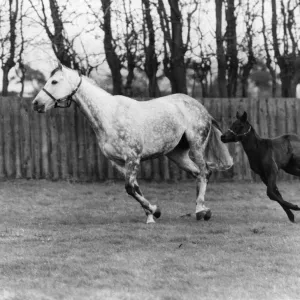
(92, 81)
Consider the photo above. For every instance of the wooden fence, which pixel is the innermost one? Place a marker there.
(62, 145)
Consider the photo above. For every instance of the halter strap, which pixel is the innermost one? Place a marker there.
(241, 134)
(68, 97)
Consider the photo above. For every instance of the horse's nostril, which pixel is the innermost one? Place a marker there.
(38, 107)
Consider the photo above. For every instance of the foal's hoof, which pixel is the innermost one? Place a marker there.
(157, 213)
(205, 214)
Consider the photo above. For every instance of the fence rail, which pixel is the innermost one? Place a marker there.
(62, 145)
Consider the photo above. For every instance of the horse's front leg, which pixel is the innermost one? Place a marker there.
(133, 189)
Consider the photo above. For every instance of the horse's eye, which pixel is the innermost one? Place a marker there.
(54, 82)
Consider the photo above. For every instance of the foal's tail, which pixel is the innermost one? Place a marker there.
(216, 153)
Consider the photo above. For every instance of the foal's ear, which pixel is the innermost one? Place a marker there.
(241, 117)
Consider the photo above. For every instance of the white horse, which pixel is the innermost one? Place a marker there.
(129, 131)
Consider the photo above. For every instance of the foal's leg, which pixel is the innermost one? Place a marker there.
(132, 188)
(275, 195)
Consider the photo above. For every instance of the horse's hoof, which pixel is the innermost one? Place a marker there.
(150, 219)
(204, 214)
(157, 213)
(200, 215)
(207, 216)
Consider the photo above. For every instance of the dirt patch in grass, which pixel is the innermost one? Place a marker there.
(89, 241)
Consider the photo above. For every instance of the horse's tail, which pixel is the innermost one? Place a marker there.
(216, 152)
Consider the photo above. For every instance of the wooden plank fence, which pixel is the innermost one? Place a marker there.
(60, 145)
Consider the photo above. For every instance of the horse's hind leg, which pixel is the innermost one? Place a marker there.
(182, 159)
(132, 188)
(202, 179)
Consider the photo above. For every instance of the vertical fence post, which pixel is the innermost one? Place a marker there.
(8, 138)
(2, 138)
(26, 138)
(53, 145)
(290, 108)
(17, 146)
(281, 121)
(64, 131)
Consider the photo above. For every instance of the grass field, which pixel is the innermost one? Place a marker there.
(88, 241)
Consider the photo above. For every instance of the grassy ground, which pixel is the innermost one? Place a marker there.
(89, 241)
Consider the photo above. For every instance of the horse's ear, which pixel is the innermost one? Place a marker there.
(238, 115)
(243, 118)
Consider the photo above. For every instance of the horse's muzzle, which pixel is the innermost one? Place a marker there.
(225, 139)
(38, 107)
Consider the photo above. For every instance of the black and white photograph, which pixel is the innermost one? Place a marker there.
(149, 149)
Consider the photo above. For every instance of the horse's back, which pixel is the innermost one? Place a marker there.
(160, 123)
(285, 148)
(181, 100)
(177, 108)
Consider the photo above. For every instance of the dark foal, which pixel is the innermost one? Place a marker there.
(267, 156)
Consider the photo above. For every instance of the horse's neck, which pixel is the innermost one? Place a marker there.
(96, 104)
(251, 143)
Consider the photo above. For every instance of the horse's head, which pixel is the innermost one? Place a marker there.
(59, 89)
(238, 129)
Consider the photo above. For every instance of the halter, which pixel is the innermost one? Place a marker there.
(68, 97)
(241, 134)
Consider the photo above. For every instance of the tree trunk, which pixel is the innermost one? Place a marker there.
(268, 56)
(220, 51)
(130, 75)
(111, 56)
(177, 51)
(10, 63)
(5, 80)
(286, 60)
(174, 64)
(151, 63)
(232, 60)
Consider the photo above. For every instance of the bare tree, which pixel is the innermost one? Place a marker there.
(245, 69)
(174, 47)
(269, 65)
(62, 45)
(9, 44)
(112, 58)
(231, 53)
(131, 56)
(151, 62)
(221, 58)
(287, 58)
(21, 65)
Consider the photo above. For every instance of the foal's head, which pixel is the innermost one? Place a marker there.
(57, 90)
(238, 129)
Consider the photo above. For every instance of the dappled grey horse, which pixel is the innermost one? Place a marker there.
(130, 131)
